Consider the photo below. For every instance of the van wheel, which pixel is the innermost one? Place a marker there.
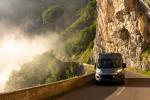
(97, 82)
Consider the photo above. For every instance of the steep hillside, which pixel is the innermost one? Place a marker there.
(79, 35)
(31, 15)
(75, 44)
(124, 26)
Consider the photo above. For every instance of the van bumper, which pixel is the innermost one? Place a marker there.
(110, 78)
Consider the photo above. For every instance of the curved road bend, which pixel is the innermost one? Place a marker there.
(136, 88)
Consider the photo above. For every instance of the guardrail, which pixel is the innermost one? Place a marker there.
(88, 68)
(49, 91)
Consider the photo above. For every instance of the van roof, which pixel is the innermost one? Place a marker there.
(110, 56)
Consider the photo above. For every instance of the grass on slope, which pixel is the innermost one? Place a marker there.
(145, 54)
(139, 71)
(84, 57)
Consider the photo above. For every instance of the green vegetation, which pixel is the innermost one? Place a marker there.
(83, 33)
(145, 54)
(51, 14)
(84, 57)
(32, 73)
(42, 69)
(80, 41)
(61, 13)
(77, 40)
(85, 17)
(70, 72)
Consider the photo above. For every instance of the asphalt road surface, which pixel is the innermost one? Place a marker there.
(137, 87)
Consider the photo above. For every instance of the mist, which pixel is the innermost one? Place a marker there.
(21, 34)
(16, 48)
(16, 44)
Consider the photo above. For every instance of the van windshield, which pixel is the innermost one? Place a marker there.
(109, 63)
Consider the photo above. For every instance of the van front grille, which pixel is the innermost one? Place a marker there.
(107, 76)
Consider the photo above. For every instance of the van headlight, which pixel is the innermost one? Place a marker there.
(98, 71)
(119, 70)
(97, 76)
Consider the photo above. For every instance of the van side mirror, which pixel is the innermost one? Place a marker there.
(124, 65)
(95, 66)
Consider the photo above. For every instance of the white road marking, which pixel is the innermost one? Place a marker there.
(120, 91)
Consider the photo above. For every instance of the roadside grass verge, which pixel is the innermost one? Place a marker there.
(139, 71)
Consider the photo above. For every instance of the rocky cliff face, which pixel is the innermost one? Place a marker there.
(124, 27)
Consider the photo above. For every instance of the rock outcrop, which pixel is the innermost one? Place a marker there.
(124, 27)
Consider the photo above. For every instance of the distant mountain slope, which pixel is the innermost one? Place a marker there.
(28, 13)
